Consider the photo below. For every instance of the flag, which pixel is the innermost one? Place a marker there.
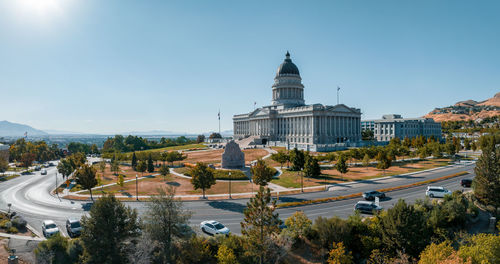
(338, 88)
(218, 115)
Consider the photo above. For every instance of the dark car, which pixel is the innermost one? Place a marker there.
(370, 196)
(367, 207)
(466, 182)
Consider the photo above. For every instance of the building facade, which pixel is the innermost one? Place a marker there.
(289, 122)
(392, 126)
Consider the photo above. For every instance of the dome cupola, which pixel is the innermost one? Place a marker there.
(287, 88)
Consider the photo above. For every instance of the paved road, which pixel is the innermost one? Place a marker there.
(30, 196)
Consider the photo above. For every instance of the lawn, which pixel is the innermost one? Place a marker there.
(291, 179)
(182, 147)
(215, 156)
(8, 177)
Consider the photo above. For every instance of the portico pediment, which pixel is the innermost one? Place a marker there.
(341, 108)
(259, 112)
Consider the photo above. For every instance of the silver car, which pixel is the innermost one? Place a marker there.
(438, 192)
(49, 228)
(73, 227)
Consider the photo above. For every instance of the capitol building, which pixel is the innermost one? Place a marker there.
(289, 122)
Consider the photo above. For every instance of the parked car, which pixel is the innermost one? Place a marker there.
(51, 164)
(367, 207)
(466, 183)
(43, 172)
(37, 168)
(214, 228)
(370, 195)
(49, 228)
(73, 227)
(436, 191)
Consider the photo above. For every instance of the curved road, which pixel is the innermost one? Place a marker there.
(30, 197)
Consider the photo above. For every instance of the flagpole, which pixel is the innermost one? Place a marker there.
(338, 89)
(219, 121)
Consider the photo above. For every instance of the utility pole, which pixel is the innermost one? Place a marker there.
(230, 185)
(136, 189)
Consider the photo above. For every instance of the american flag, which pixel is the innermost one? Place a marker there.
(218, 115)
(338, 88)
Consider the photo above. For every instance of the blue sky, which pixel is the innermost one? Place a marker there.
(119, 65)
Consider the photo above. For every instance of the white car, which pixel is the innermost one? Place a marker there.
(214, 228)
(73, 227)
(49, 228)
(43, 172)
(438, 192)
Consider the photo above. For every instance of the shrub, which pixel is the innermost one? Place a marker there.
(4, 222)
(12, 230)
(19, 222)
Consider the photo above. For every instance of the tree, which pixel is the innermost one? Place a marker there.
(473, 146)
(120, 180)
(107, 229)
(261, 173)
(339, 254)
(166, 219)
(226, 255)
(366, 160)
(65, 168)
(486, 184)
(436, 253)
(450, 149)
(134, 160)
(467, 143)
(200, 138)
(77, 160)
(404, 229)
(311, 167)
(102, 166)
(281, 157)
(53, 250)
(214, 135)
(151, 166)
(174, 156)
(383, 161)
(341, 165)
(298, 225)
(27, 159)
(164, 171)
(481, 248)
(202, 177)
(4, 165)
(85, 176)
(367, 134)
(115, 166)
(260, 223)
(297, 158)
(141, 167)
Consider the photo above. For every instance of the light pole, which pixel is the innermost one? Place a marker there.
(229, 185)
(136, 189)
(57, 193)
(301, 181)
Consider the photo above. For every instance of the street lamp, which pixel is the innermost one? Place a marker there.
(136, 189)
(301, 181)
(229, 185)
(57, 192)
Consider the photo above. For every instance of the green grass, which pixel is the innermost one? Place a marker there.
(10, 177)
(219, 174)
(16, 168)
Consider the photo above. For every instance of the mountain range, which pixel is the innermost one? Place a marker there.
(467, 110)
(8, 129)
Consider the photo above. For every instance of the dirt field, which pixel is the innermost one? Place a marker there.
(215, 156)
(183, 186)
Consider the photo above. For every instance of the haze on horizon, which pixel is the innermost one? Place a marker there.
(111, 66)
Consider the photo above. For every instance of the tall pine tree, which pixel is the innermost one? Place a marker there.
(260, 224)
(486, 184)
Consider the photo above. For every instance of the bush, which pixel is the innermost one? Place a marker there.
(6, 224)
(3, 223)
(19, 222)
(12, 230)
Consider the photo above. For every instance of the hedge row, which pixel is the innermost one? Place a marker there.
(354, 195)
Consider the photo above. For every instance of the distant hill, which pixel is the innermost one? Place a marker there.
(467, 110)
(8, 129)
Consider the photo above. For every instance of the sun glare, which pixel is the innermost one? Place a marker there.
(40, 7)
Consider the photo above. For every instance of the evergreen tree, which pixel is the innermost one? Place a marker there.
(261, 173)
(341, 165)
(202, 177)
(260, 224)
(164, 221)
(366, 160)
(281, 157)
(106, 231)
(134, 160)
(486, 184)
(164, 171)
(297, 158)
(311, 167)
(151, 166)
(141, 167)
